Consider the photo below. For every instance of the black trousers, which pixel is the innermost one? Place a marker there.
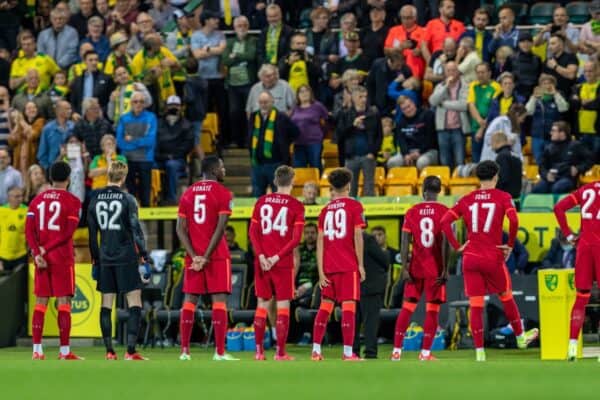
(368, 314)
(217, 102)
(238, 96)
(142, 170)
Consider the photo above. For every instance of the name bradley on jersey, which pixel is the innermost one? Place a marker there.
(276, 200)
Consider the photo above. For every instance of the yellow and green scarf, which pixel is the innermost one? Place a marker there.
(182, 41)
(272, 44)
(268, 138)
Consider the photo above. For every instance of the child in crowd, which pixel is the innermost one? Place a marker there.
(387, 145)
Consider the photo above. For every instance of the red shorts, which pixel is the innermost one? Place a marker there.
(214, 278)
(434, 293)
(278, 282)
(55, 281)
(587, 266)
(485, 274)
(343, 286)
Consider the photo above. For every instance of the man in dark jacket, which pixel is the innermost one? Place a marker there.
(92, 83)
(383, 72)
(371, 295)
(297, 67)
(92, 126)
(561, 254)
(415, 138)
(274, 39)
(525, 66)
(174, 141)
(511, 167)
(359, 137)
(270, 134)
(563, 161)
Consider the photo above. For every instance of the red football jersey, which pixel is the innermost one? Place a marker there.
(337, 222)
(276, 216)
(52, 218)
(588, 197)
(423, 222)
(201, 205)
(483, 213)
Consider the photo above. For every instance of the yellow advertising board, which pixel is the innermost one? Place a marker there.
(85, 306)
(556, 296)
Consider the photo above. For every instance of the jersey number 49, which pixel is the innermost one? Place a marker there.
(334, 225)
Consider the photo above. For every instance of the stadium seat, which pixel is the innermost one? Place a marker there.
(156, 186)
(330, 154)
(401, 181)
(211, 124)
(592, 175)
(537, 203)
(379, 181)
(462, 185)
(442, 172)
(468, 149)
(531, 173)
(324, 183)
(208, 142)
(541, 13)
(398, 190)
(304, 175)
(578, 12)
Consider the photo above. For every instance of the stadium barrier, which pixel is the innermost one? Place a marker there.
(13, 293)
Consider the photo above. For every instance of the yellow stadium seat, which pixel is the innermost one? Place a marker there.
(531, 173)
(211, 124)
(304, 175)
(592, 175)
(155, 186)
(379, 180)
(462, 185)
(330, 154)
(468, 149)
(399, 190)
(442, 172)
(461, 190)
(403, 179)
(207, 141)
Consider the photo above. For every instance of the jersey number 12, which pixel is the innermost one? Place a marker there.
(53, 211)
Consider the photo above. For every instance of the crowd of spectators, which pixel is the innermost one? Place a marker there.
(391, 83)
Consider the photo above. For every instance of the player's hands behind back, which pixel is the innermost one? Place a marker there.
(40, 262)
(198, 263)
(362, 272)
(506, 250)
(323, 282)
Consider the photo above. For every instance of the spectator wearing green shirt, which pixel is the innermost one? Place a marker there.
(481, 94)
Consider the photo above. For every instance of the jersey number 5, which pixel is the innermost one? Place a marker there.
(335, 224)
(268, 224)
(53, 211)
(108, 215)
(199, 208)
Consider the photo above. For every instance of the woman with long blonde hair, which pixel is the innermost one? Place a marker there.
(24, 136)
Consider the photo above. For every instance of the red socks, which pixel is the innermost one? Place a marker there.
(348, 322)
(186, 324)
(578, 314)
(260, 322)
(37, 322)
(64, 323)
(431, 323)
(402, 322)
(321, 319)
(512, 313)
(283, 325)
(219, 321)
(476, 318)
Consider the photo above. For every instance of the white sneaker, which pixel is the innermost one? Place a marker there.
(480, 355)
(224, 357)
(185, 357)
(572, 352)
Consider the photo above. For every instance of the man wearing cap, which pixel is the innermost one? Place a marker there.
(92, 83)
(589, 37)
(118, 57)
(525, 66)
(178, 41)
(96, 37)
(175, 140)
(207, 46)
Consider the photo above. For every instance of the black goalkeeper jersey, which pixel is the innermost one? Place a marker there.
(114, 214)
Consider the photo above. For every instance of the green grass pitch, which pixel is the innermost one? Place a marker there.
(507, 375)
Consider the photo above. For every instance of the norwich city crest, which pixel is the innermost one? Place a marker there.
(551, 282)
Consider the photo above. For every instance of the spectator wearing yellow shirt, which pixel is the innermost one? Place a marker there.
(13, 251)
(481, 94)
(29, 59)
(152, 65)
(118, 56)
(387, 144)
(99, 166)
(585, 100)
